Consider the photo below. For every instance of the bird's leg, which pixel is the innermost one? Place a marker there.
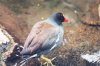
(48, 62)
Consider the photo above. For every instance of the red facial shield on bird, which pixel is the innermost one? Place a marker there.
(65, 20)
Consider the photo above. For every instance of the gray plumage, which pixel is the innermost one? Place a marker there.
(45, 36)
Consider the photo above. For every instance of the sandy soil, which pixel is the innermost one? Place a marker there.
(79, 38)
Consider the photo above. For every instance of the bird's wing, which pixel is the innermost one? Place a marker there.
(40, 33)
(34, 31)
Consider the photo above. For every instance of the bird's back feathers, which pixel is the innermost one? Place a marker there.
(42, 37)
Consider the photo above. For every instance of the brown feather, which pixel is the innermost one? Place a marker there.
(38, 35)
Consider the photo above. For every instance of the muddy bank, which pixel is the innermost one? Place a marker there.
(79, 38)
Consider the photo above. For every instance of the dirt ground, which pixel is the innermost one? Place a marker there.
(82, 34)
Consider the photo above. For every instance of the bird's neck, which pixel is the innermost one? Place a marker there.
(54, 22)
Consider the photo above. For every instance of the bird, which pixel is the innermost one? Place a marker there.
(45, 36)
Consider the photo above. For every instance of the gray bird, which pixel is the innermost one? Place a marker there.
(45, 36)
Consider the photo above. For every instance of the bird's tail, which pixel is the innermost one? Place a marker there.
(25, 59)
(15, 55)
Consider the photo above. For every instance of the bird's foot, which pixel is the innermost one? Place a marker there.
(48, 62)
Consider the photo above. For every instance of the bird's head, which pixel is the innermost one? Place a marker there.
(59, 18)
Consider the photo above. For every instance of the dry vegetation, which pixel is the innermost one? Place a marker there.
(82, 34)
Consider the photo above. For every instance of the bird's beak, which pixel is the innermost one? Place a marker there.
(66, 19)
